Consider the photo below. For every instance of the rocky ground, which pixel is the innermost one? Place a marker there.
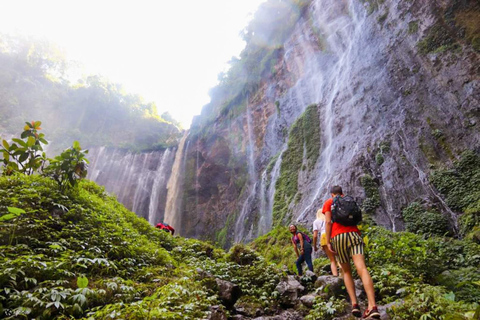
(297, 296)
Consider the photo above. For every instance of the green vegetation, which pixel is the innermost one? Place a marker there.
(35, 84)
(372, 200)
(433, 276)
(85, 255)
(24, 155)
(327, 310)
(373, 5)
(461, 188)
(383, 17)
(304, 137)
(419, 220)
(458, 25)
(412, 27)
(438, 39)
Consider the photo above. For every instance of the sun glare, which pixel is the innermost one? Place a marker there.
(169, 52)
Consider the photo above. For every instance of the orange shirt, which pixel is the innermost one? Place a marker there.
(337, 228)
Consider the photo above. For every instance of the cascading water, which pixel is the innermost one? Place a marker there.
(138, 180)
(267, 193)
(159, 189)
(242, 220)
(175, 186)
(341, 34)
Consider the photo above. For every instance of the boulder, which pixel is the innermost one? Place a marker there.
(228, 292)
(330, 285)
(360, 290)
(217, 313)
(308, 300)
(290, 290)
(285, 315)
(310, 275)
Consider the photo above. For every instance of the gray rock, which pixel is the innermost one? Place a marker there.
(311, 275)
(330, 285)
(289, 290)
(308, 300)
(217, 313)
(228, 292)
(285, 315)
(360, 290)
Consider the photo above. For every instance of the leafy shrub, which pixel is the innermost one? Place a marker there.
(326, 310)
(419, 220)
(372, 201)
(277, 248)
(388, 279)
(417, 259)
(461, 188)
(428, 302)
(465, 282)
(24, 155)
(69, 167)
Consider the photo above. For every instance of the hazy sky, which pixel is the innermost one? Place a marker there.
(170, 52)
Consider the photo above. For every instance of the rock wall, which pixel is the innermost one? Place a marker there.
(395, 88)
(372, 95)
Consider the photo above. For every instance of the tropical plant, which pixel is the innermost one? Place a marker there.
(24, 155)
(69, 167)
(12, 215)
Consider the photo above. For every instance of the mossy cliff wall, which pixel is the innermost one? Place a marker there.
(371, 95)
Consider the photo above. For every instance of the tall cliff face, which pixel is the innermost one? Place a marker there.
(139, 180)
(370, 95)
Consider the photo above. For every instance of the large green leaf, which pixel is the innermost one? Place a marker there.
(37, 124)
(82, 282)
(6, 145)
(76, 145)
(31, 141)
(23, 157)
(15, 210)
(20, 142)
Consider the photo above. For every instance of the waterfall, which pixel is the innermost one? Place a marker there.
(137, 179)
(159, 188)
(267, 193)
(247, 205)
(342, 34)
(175, 186)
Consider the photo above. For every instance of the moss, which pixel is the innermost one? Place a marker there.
(412, 27)
(379, 159)
(373, 5)
(458, 24)
(467, 21)
(305, 131)
(381, 19)
(372, 200)
(437, 38)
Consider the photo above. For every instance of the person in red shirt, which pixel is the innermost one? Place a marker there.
(347, 243)
(165, 227)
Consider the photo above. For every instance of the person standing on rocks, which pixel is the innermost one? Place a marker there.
(319, 232)
(344, 239)
(303, 249)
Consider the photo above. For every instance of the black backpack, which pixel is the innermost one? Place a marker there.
(346, 211)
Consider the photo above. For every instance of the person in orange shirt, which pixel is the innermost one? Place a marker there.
(347, 243)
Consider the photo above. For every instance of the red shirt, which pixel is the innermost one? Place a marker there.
(337, 228)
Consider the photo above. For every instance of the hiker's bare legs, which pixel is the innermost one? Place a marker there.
(348, 279)
(359, 261)
(331, 256)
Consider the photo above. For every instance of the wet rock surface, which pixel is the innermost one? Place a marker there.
(290, 290)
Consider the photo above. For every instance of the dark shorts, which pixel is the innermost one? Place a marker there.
(346, 245)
